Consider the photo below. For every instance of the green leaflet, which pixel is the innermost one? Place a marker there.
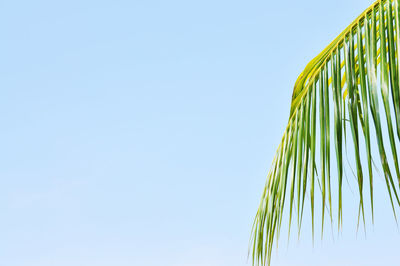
(293, 176)
(322, 124)
(365, 111)
(352, 103)
(338, 127)
(327, 142)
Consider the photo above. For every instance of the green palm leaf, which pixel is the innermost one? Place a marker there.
(356, 72)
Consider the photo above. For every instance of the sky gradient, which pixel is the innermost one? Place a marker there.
(141, 132)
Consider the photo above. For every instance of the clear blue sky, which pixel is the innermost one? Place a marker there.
(140, 132)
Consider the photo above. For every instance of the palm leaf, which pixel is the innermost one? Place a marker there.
(354, 73)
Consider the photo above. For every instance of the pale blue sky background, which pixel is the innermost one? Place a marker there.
(140, 132)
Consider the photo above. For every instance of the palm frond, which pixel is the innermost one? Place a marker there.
(355, 73)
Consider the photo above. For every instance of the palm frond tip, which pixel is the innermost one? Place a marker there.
(345, 75)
